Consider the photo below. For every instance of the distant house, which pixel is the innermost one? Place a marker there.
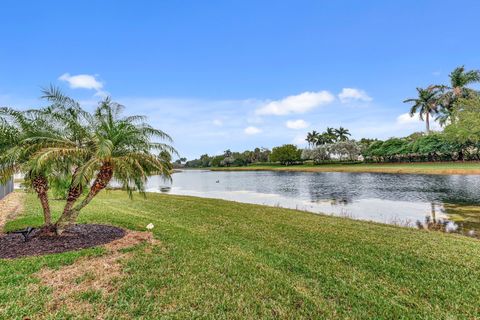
(6, 189)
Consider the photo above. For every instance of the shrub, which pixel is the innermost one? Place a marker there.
(287, 154)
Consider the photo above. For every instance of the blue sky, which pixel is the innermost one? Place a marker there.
(239, 74)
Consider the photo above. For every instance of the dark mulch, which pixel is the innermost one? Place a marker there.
(76, 237)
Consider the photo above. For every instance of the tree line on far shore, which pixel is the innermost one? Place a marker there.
(456, 107)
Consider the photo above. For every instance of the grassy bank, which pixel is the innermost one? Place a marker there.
(220, 259)
(412, 168)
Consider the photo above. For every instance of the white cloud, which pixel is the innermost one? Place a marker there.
(252, 130)
(218, 122)
(296, 124)
(405, 118)
(82, 81)
(299, 140)
(351, 94)
(300, 103)
(406, 121)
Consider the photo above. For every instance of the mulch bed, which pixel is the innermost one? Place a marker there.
(76, 237)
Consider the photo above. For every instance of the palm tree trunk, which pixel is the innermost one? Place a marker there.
(69, 217)
(434, 212)
(74, 192)
(40, 185)
(457, 91)
(427, 122)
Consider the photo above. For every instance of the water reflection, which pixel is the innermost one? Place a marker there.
(463, 218)
(165, 189)
(388, 198)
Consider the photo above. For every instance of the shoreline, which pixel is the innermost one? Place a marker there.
(441, 168)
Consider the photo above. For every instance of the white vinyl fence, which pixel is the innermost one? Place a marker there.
(6, 189)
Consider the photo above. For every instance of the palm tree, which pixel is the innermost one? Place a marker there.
(342, 134)
(330, 135)
(120, 148)
(16, 128)
(316, 138)
(64, 140)
(76, 126)
(426, 104)
(444, 114)
(459, 80)
(227, 153)
(324, 138)
(311, 138)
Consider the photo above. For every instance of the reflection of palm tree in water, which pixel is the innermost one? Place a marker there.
(467, 228)
(465, 216)
(340, 201)
(431, 222)
(433, 212)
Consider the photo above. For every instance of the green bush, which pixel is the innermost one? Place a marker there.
(287, 154)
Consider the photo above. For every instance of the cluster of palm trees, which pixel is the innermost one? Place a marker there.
(89, 149)
(439, 101)
(329, 136)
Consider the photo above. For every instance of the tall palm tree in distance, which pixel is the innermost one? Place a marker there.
(321, 139)
(330, 135)
(460, 79)
(458, 88)
(312, 138)
(342, 134)
(426, 104)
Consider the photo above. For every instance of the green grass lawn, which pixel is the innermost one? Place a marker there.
(226, 260)
(414, 168)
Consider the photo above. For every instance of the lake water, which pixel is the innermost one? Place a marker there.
(400, 199)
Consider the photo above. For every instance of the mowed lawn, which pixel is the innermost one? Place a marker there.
(227, 260)
(413, 168)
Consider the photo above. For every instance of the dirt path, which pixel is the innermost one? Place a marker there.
(10, 206)
(95, 275)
